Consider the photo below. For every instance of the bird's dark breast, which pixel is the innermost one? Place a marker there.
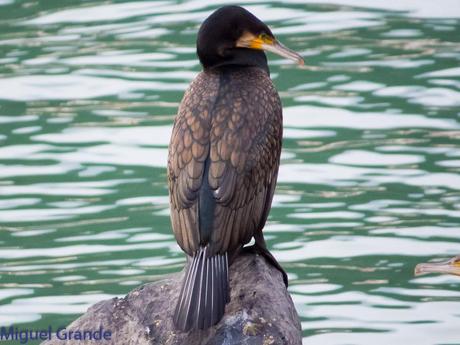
(223, 159)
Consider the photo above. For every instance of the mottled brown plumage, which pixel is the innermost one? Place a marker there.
(223, 160)
(232, 119)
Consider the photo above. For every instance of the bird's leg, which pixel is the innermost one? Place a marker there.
(261, 247)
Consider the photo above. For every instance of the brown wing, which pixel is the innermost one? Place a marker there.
(188, 150)
(231, 135)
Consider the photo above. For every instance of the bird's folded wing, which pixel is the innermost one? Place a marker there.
(229, 144)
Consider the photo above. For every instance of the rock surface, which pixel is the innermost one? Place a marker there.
(260, 312)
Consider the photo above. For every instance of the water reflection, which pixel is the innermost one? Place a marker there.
(369, 180)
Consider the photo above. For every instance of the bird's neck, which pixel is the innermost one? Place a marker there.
(245, 57)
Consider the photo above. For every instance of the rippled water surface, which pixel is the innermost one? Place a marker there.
(368, 186)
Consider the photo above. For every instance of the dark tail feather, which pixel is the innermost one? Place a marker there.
(204, 292)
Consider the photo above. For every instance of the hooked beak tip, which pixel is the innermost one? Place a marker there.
(278, 48)
(418, 271)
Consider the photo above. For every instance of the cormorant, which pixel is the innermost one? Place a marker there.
(223, 159)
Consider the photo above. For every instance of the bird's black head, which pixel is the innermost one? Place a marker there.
(233, 36)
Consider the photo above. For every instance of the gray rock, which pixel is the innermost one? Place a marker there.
(260, 312)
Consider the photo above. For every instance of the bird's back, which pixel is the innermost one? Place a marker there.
(224, 158)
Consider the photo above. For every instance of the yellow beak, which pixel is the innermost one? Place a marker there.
(267, 43)
(451, 266)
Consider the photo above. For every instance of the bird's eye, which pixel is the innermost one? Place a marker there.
(264, 36)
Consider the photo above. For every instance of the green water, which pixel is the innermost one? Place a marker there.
(368, 186)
